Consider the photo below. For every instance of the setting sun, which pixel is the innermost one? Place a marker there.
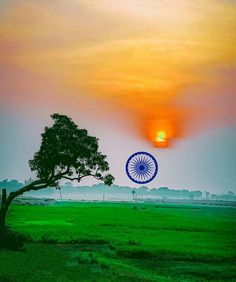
(161, 136)
(162, 132)
(161, 139)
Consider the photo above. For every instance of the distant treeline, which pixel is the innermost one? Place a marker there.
(69, 190)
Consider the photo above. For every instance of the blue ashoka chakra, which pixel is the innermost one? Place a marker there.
(141, 167)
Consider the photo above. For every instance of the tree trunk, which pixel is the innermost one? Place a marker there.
(6, 201)
(3, 210)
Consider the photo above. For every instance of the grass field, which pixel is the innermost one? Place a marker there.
(122, 242)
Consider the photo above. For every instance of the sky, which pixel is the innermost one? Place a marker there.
(129, 72)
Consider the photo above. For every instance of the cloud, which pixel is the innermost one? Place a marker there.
(143, 58)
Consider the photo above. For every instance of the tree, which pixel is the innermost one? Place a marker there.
(66, 152)
(207, 194)
(133, 192)
(191, 195)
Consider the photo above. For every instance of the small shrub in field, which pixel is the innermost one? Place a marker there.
(87, 258)
(46, 240)
(135, 254)
(134, 243)
(5, 278)
(11, 240)
(91, 241)
(90, 261)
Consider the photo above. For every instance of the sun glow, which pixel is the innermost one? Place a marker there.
(161, 136)
(161, 139)
(148, 59)
(161, 132)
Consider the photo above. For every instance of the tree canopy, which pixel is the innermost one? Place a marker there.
(69, 152)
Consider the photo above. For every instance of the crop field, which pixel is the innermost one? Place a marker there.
(122, 242)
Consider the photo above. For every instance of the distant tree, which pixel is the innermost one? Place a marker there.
(133, 193)
(66, 152)
(197, 194)
(207, 195)
(10, 185)
(28, 181)
(164, 191)
(143, 190)
(214, 196)
(164, 199)
(191, 195)
(230, 193)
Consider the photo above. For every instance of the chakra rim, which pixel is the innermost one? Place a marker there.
(141, 167)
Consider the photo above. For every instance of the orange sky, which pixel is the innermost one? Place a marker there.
(145, 57)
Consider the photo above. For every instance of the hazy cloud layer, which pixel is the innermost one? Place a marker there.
(140, 55)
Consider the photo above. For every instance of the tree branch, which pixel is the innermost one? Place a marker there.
(36, 185)
(60, 175)
(71, 178)
(80, 177)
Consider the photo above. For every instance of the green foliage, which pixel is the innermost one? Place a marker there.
(69, 152)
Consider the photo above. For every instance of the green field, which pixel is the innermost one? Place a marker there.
(122, 242)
